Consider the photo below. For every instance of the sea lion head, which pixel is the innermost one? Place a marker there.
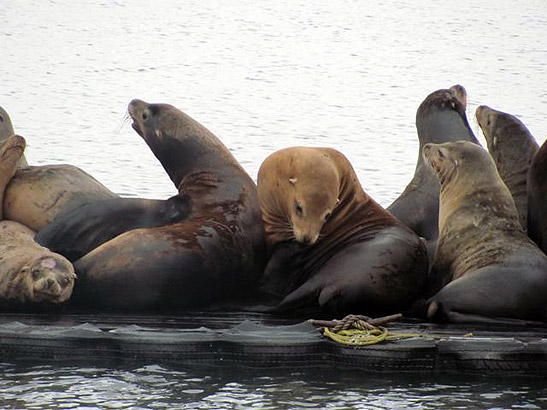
(298, 190)
(460, 93)
(452, 160)
(6, 128)
(153, 121)
(182, 145)
(49, 279)
(498, 127)
(11, 151)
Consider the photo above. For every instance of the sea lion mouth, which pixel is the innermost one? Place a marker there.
(135, 126)
(134, 109)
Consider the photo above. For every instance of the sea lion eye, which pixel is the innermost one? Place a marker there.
(35, 273)
(298, 207)
(144, 115)
(327, 216)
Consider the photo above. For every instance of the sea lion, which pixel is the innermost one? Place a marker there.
(28, 272)
(213, 257)
(512, 146)
(492, 268)
(11, 151)
(6, 130)
(85, 228)
(331, 245)
(537, 198)
(36, 195)
(440, 118)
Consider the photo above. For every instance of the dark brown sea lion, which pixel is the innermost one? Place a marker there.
(331, 245)
(440, 118)
(492, 268)
(36, 195)
(212, 258)
(537, 198)
(28, 272)
(512, 147)
(6, 130)
(78, 232)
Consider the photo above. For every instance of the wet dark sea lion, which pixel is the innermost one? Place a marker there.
(512, 147)
(331, 245)
(440, 118)
(490, 267)
(537, 198)
(85, 228)
(211, 258)
(29, 273)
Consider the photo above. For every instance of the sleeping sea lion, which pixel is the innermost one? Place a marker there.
(28, 272)
(331, 245)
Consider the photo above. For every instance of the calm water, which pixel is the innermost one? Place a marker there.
(262, 75)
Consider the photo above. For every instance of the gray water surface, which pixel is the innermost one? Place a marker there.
(51, 387)
(262, 75)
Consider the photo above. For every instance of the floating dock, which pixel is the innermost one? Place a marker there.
(263, 341)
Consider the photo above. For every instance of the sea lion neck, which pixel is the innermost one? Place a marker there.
(182, 145)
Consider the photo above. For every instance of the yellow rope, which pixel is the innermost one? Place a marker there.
(365, 337)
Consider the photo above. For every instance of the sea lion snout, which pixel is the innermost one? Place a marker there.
(305, 237)
(139, 112)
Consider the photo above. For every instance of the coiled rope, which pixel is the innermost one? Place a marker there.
(358, 330)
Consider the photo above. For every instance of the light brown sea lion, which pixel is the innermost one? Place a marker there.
(6, 130)
(36, 195)
(28, 272)
(512, 146)
(331, 245)
(11, 151)
(537, 198)
(492, 268)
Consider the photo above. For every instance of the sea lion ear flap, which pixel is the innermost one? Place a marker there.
(293, 180)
